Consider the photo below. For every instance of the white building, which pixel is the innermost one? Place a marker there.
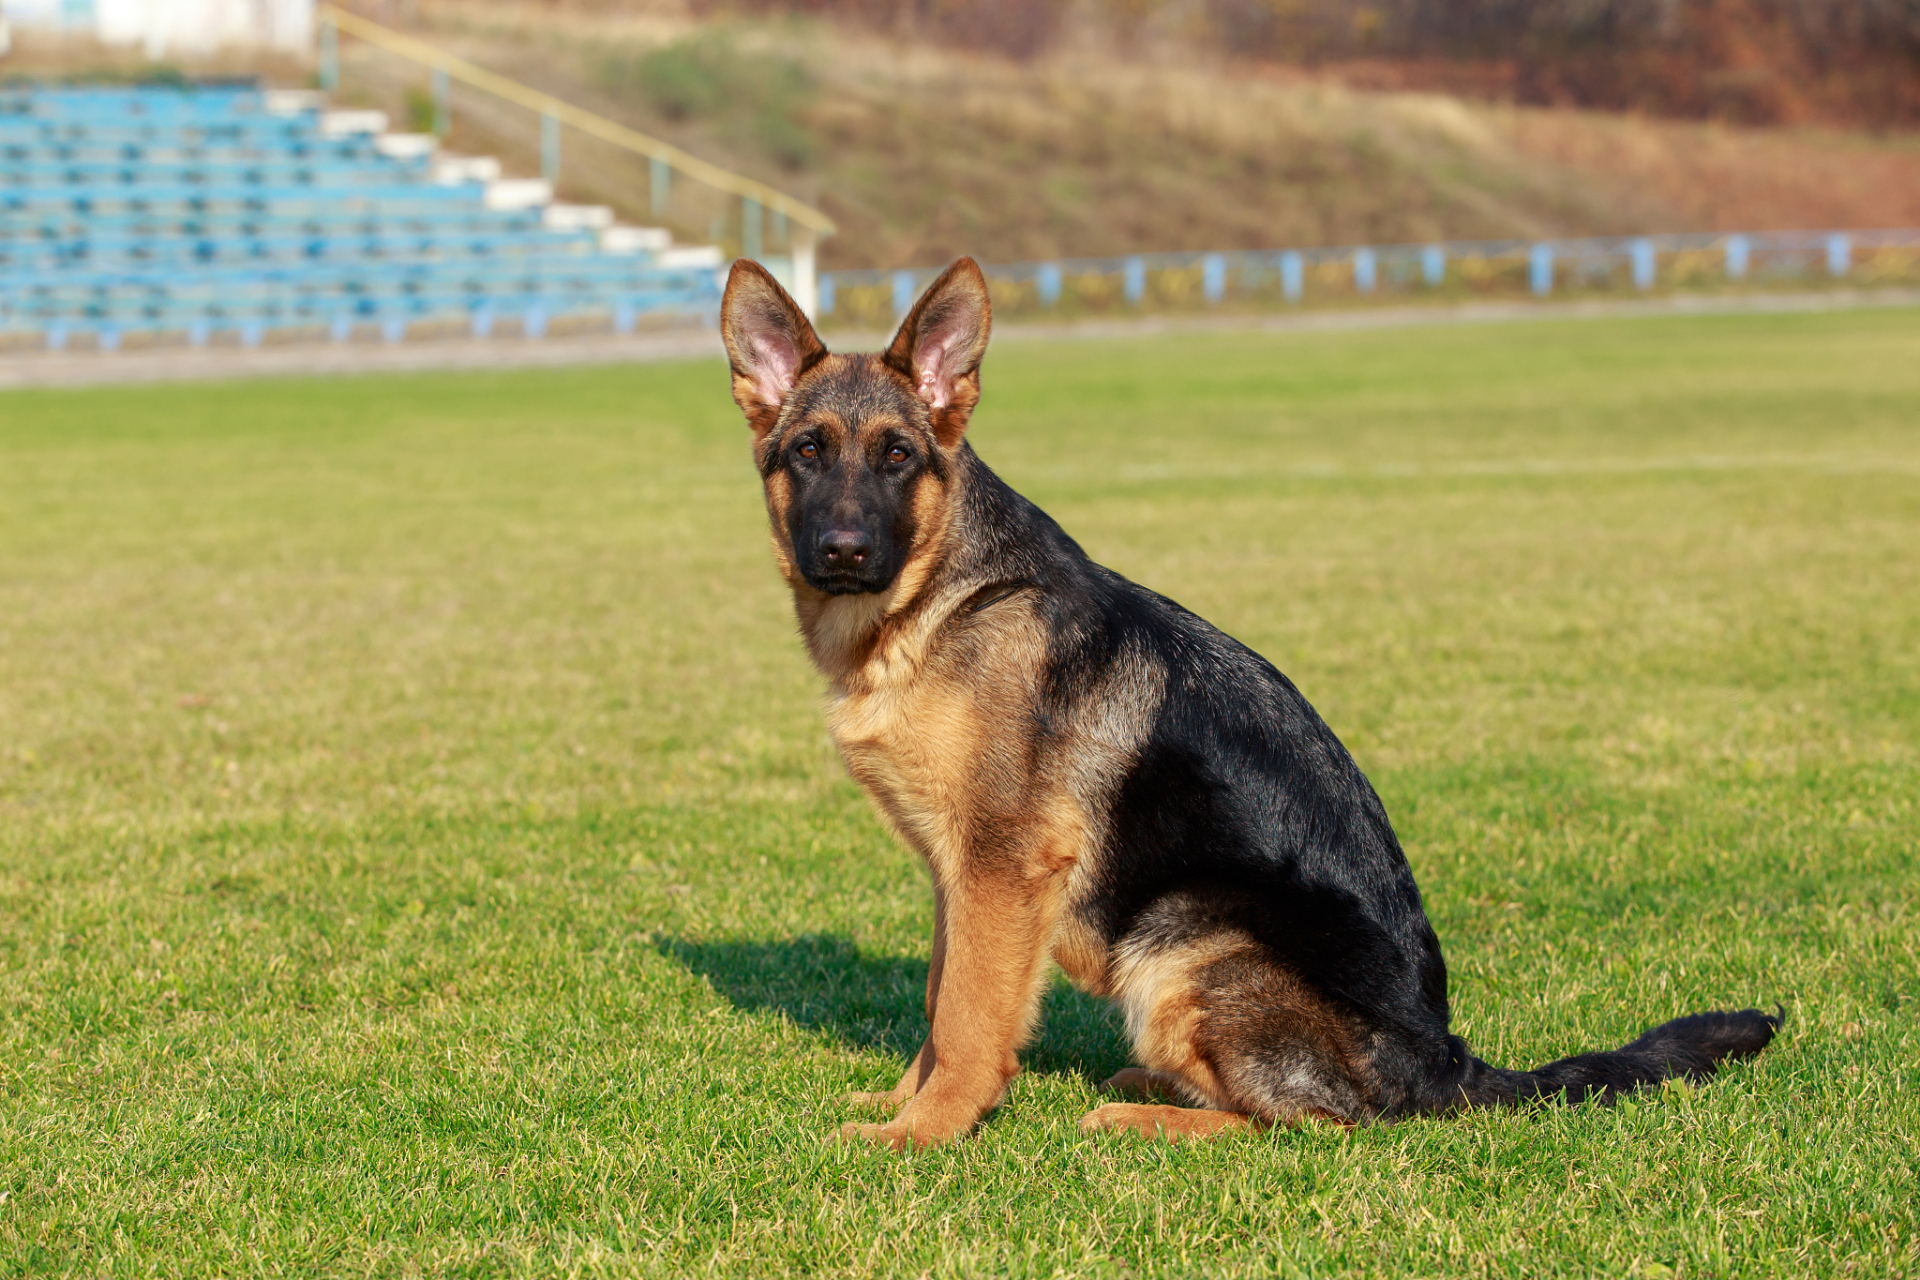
(165, 27)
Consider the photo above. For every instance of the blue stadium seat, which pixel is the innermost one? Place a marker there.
(201, 211)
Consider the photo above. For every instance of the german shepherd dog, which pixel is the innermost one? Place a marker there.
(1098, 778)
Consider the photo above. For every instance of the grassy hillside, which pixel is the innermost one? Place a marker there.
(922, 153)
(420, 851)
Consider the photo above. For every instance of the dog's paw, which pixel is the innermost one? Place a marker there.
(873, 1101)
(1123, 1116)
(893, 1137)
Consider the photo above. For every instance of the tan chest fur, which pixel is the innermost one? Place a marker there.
(936, 726)
(940, 769)
(939, 729)
(910, 747)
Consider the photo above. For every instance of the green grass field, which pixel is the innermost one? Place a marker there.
(421, 853)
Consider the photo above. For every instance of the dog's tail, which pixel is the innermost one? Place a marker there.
(1690, 1047)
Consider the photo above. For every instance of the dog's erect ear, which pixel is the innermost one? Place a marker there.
(769, 343)
(940, 345)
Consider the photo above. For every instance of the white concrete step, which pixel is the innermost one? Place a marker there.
(502, 192)
(576, 217)
(452, 170)
(635, 239)
(406, 146)
(689, 255)
(518, 193)
(344, 124)
(291, 102)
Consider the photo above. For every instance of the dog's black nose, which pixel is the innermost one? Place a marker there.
(846, 549)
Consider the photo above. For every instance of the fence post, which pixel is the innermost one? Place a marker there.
(1540, 269)
(1048, 280)
(659, 175)
(1839, 254)
(750, 245)
(1433, 265)
(442, 103)
(1293, 275)
(1136, 278)
(550, 147)
(329, 55)
(1363, 270)
(1643, 264)
(1737, 250)
(1213, 277)
(902, 294)
(806, 272)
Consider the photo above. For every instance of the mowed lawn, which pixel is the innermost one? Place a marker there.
(421, 852)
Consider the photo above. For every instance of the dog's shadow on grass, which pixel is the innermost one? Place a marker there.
(878, 1002)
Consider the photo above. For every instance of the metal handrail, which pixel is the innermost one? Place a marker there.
(587, 122)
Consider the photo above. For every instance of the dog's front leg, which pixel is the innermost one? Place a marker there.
(998, 927)
(922, 1065)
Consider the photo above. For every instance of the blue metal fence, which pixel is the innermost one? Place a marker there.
(1541, 267)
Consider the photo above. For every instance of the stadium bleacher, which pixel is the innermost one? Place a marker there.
(231, 213)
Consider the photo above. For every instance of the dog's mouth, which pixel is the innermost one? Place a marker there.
(844, 584)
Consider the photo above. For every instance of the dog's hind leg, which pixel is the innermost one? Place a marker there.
(1171, 1123)
(1211, 1010)
(1158, 1119)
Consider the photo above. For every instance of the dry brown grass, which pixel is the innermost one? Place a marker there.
(1714, 178)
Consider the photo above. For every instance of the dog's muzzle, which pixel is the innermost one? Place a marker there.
(846, 562)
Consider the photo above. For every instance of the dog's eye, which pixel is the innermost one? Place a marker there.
(898, 454)
(808, 450)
